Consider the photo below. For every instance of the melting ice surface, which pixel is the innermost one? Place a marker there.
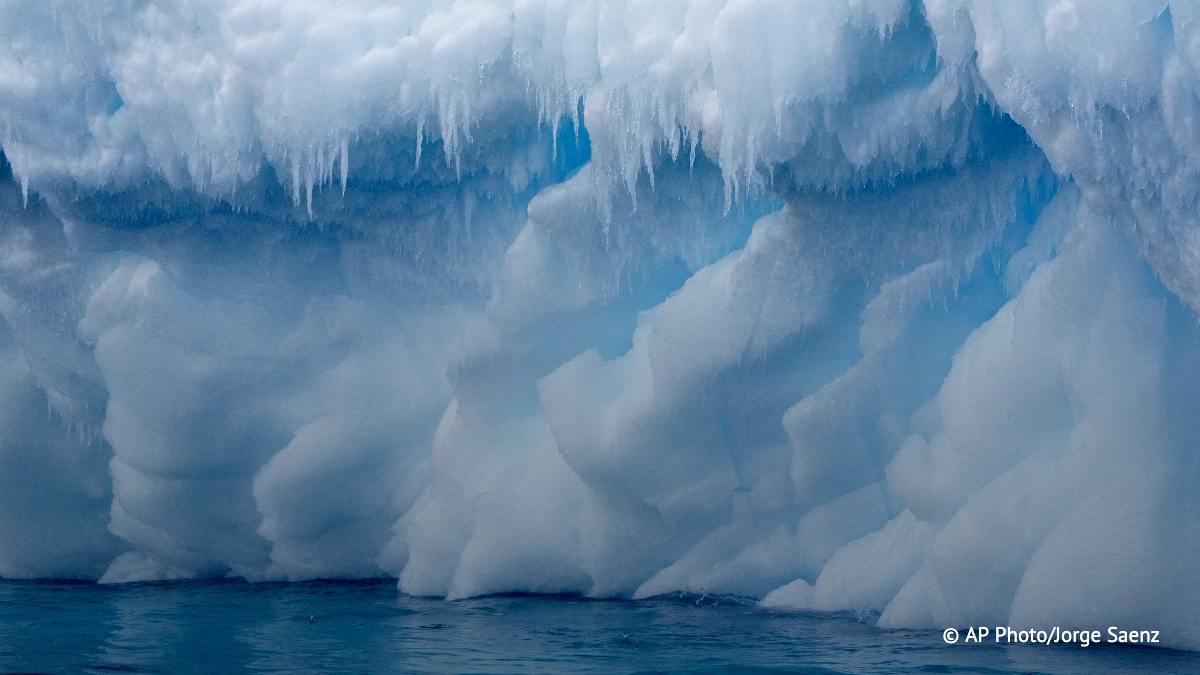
(886, 306)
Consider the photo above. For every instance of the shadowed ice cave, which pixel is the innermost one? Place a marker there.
(884, 306)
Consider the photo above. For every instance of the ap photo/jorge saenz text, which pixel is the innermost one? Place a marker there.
(613, 336)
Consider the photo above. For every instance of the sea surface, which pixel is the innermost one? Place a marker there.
(228, 626)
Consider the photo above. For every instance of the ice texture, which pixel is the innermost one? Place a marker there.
(886, 306)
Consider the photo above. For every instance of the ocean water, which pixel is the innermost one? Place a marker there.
(223, 626)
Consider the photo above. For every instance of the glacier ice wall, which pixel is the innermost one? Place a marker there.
(884, 306)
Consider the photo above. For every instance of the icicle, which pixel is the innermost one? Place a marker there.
(466, 119)
(420, 142)
(554, 138)
(308, 188)
(449, 130)
(648, 161)
(344, 162)
(295, 181)
(19, 165)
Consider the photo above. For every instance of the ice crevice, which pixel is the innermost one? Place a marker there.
(885, 306)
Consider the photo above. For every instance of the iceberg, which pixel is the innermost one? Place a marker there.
(882, 306)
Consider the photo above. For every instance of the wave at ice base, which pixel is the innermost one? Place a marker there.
(886, 306)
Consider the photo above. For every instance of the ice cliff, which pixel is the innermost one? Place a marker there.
(847, 305)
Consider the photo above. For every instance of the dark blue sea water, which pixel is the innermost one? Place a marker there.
(224, 626)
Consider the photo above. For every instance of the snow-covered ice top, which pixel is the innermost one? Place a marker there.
(205, 95)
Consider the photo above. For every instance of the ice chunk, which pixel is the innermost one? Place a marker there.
(885, 306)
